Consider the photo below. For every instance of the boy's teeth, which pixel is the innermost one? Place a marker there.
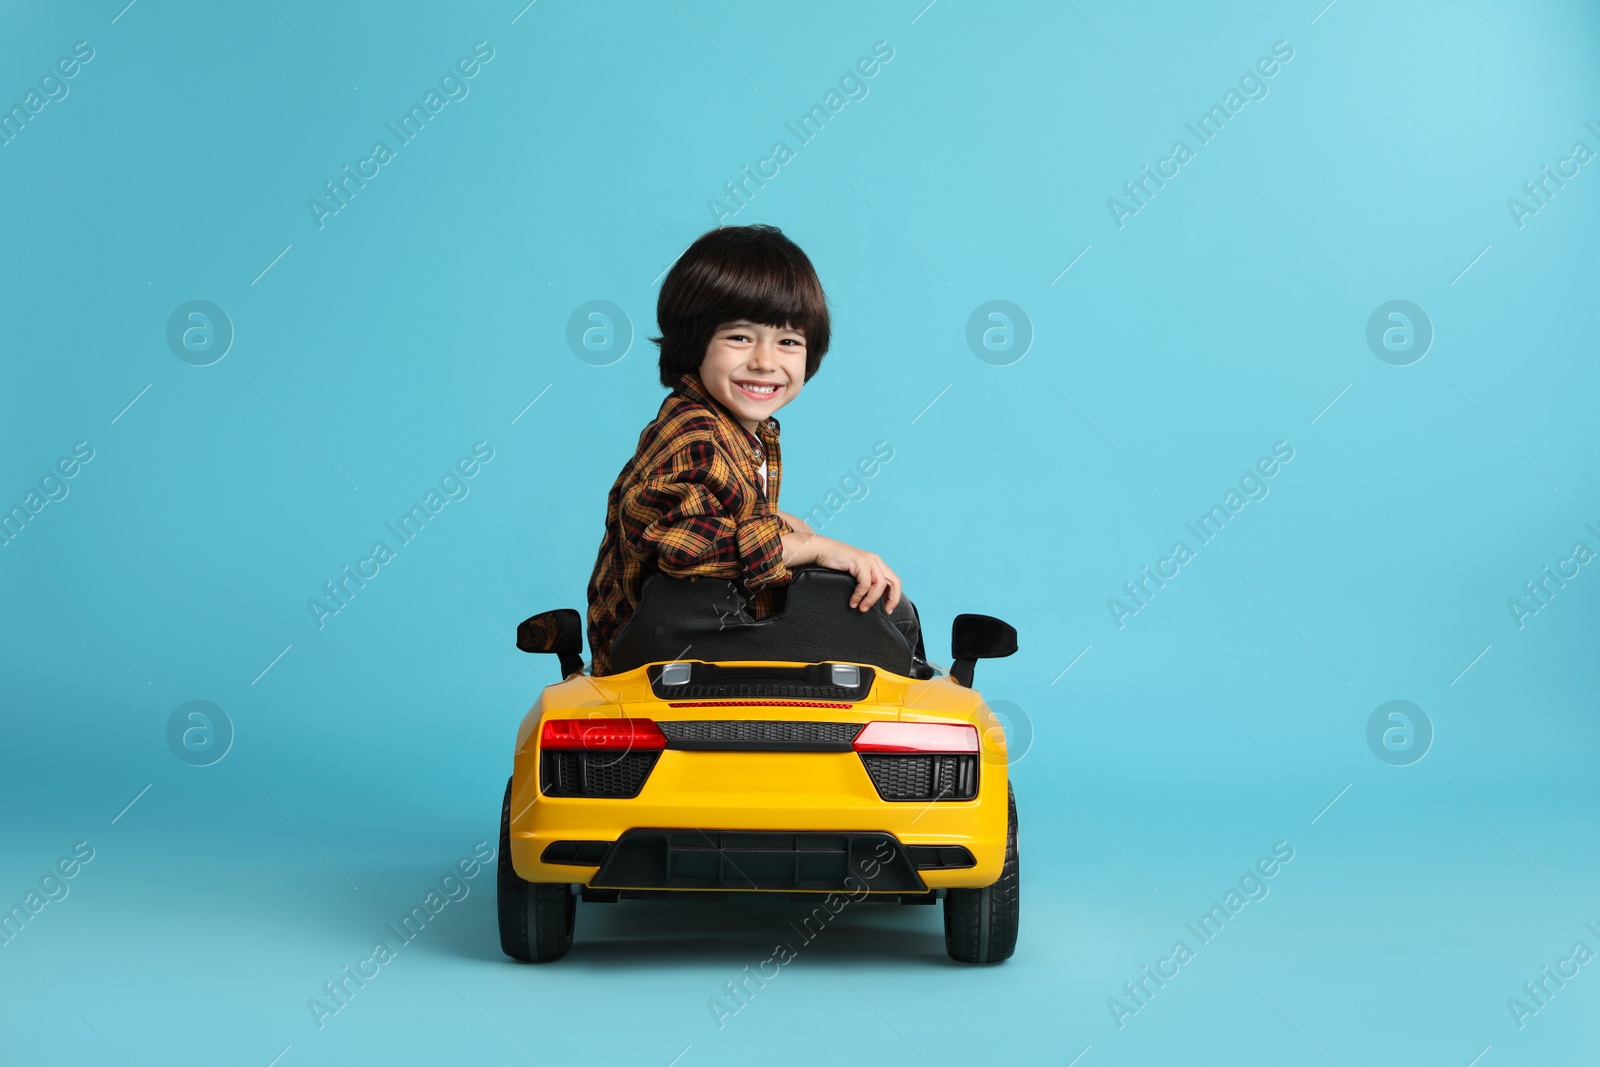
(762, 388)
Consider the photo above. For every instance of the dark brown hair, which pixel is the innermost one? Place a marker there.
(731, 273)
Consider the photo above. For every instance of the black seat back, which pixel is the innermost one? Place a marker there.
(706, 619)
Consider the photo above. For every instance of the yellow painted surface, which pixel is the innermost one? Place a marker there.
(701, 790)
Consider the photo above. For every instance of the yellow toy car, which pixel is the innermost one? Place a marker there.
(807, 753)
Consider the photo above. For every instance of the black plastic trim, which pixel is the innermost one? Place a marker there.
(760, 746)
(811, 860)
(941, 857)
(606, 775)
(910, 777)
(714, 681)
(711, 617)
(750, 735)
(576, 853)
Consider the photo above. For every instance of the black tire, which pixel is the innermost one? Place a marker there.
(536, 918)
(980, 925)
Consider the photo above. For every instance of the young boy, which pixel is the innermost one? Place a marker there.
(699, 497)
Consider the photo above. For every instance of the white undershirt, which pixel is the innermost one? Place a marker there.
(762, 470)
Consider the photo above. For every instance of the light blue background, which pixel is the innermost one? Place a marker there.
(1227, 315)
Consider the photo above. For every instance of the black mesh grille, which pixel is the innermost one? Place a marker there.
(932, 777)
(764, 690)
(807, 861)
(839, 733)
(595, 774)
(711, 681)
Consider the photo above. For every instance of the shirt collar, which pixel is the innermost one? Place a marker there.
(690, 385)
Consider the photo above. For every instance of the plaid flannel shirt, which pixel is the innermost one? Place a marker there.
(689, 503)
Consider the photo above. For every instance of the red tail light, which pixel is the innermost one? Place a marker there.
(602, 735)
(917, 737)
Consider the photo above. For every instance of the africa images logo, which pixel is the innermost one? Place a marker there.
(452, 84)
(453, 486)
(1140, 591)
(1205, 129)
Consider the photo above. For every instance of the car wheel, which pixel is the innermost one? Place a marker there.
(980, 925)
(536, 918)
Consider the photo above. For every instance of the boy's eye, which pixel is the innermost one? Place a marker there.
(793, 341)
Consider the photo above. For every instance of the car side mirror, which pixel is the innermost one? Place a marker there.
(975, 637)
(559, 631)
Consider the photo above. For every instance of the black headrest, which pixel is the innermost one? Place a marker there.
(706, 619)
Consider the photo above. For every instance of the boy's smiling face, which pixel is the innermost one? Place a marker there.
(753, 370)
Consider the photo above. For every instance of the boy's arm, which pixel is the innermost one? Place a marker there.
(791, 524)
(683, 513)
(874, 579)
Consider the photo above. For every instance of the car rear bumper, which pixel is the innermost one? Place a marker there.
(768, 821)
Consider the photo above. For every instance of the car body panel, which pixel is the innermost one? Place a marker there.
(761, 790)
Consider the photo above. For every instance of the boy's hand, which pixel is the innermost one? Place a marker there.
(873, 576)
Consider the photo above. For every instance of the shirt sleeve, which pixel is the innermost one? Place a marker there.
(684, 513)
